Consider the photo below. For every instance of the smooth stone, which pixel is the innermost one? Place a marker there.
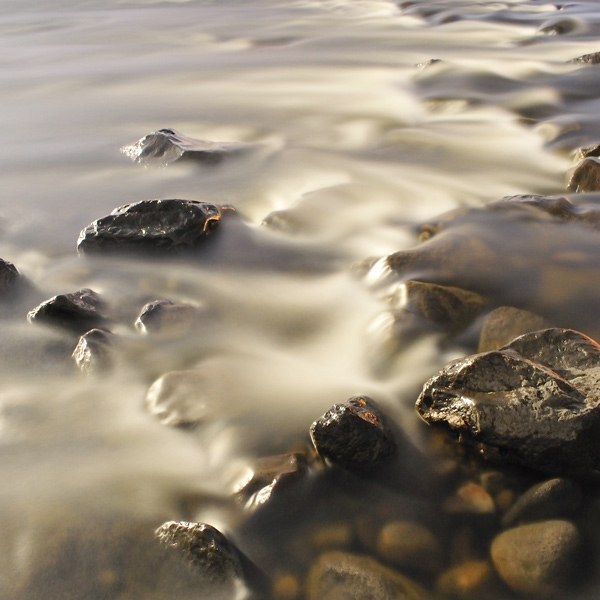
(167, 318)
(470, 498)
(504, 324)
(165, 146)
(165, 225)
(9, 276)
(93, 353)
(333, 536)
(344, 576)
(269, 477)
(354, 435)
(534, 402)
(78, 311)
(537, 559)
(552, 498)
(409, 545)
(471, 580)
(586, 176)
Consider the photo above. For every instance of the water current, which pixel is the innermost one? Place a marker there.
(359, 138)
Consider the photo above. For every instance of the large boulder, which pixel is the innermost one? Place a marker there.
(534, 402)
(165, 225)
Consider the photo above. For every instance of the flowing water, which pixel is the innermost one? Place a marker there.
(359, 137)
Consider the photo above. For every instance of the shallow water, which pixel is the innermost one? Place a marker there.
(358, 141)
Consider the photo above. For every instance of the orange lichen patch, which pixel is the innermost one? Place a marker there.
(369, 417)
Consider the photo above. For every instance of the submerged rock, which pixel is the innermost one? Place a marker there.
(166, 146)
(471, 580)
(93, 351)
(336, 575)
(166, 225)
(354, 435)
(537, 559)
(535, 402)
(167, 318)
(9, 276)
(210, 553)
(506, 323)
(78, 311)
(586, 176)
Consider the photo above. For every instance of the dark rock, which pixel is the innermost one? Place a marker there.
(533, 402)
(586, 176)
(506, 323)
(164, 225)
(167, 318)
(537, 559)
(9, 276)
(78, 311)
(166, 146)
(93, 351)
(556, 497)
(354, 435)
(209, 552)
(269, 477)
(344, 576)
(587, 59)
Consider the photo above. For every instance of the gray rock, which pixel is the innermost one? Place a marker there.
(354, 435)
(77, 312)
(534, 402)
(269, 477)
(587, 59)
(343, 576)
(167, 318)
(586, 176)
(93, 351)
(9, 276)
(552, 498)
(166, 146)
(165, 225)
(537, 559)
(220, 562)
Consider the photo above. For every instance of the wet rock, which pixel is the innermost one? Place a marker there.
(537, 559)
(333, 536)
(165, 225)
(210, 553)
(558, 207)
(470, 498)
(340, 575)
(93, 353)
(354, 435)
(587, 59)
(269, 477)
(552, 498)
(472, 580)
(77, 312)
(586, 176)
(9, 276)
(533, 402)
(185, 398)
(167, 318)
(506, 323)
(409, 545)
(166, 146)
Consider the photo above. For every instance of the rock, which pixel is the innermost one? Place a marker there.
(552, 498)
(472, 580)
(93, 351)
(78, 311)
(409, 545)
(534, 402)
(166, 146)
(286, 587)
(9, 276)
(586, 176)
(354, 435)
(164, 225)
(505, 324)
(587, 59)
(269, 477)
(344, 576)
(210, 553)
(185, 398)
(333, 536)
(167, 318)
(537, 559)
(470, 498)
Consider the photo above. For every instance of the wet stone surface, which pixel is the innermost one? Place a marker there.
(167, 318)
(77, 311)
(534, 402)
(8, 276)
(354, 435)
(93, 353)
(164, 225)
(586, 176)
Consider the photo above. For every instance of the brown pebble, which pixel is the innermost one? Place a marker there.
(286, 587)
(470, 498)
(472, 580)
